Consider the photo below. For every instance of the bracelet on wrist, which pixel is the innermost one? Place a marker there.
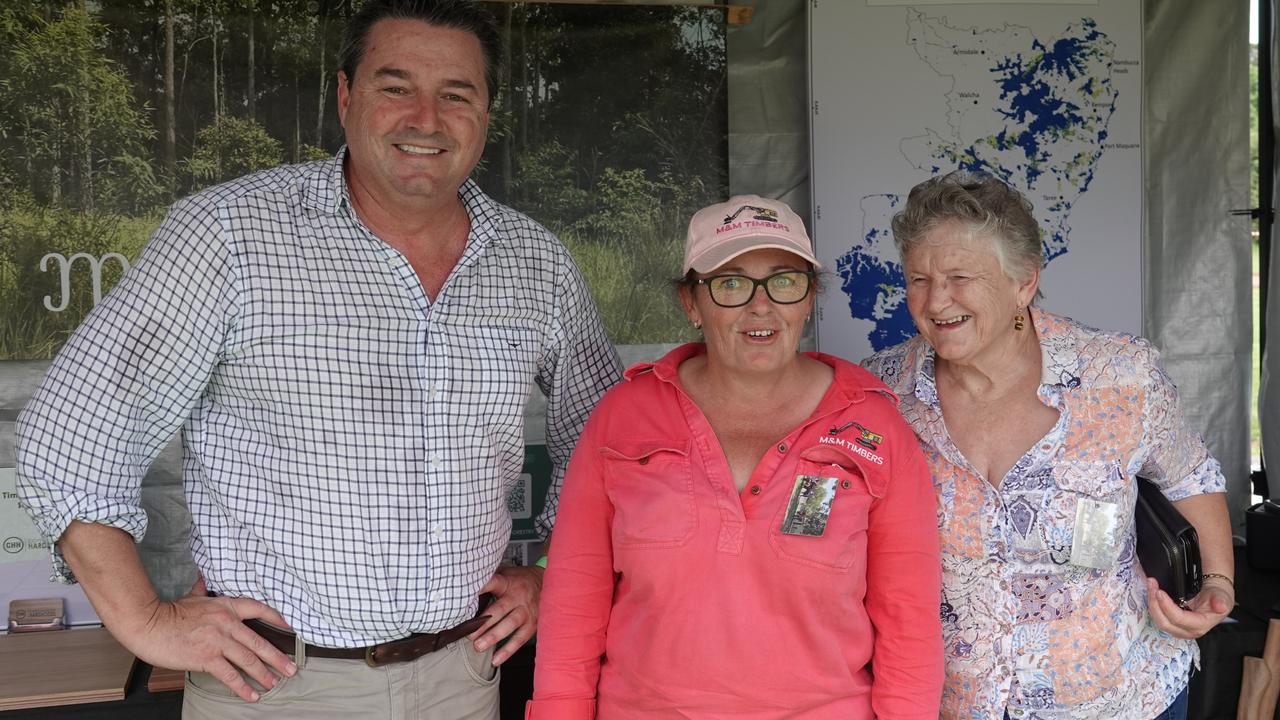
(1220, 576)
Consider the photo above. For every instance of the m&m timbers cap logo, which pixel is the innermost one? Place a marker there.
(758, 213)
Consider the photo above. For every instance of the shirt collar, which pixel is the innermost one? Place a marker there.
(326, 191)
(1059, 350)
(325, 188)
(851, 382)
(485, 214)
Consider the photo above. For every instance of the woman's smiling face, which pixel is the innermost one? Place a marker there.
(960, 298)
(761, 336)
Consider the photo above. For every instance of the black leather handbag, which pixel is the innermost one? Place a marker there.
(1168, 547)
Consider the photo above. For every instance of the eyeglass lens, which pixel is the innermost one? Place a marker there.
(783, 288)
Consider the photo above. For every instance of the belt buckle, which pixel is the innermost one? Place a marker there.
(369, 659)
(299, 652)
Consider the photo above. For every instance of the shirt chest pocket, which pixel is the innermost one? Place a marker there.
(843, 541)
(497, 365)
(650, 485)
(1087, 491)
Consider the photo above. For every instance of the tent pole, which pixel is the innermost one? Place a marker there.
(1266, 180)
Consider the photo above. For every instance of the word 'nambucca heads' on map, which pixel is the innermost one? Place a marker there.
(1031, 111)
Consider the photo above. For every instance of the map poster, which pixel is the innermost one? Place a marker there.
(1048, 97)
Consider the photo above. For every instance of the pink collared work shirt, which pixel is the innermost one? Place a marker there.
(671, 594)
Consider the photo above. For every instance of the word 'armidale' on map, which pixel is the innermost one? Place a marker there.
(1031, 107)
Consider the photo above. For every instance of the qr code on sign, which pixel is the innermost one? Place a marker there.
(517, 553)
(520, 500)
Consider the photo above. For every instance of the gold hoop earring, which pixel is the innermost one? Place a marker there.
(1018, 321)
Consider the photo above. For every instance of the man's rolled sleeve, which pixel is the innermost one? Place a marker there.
(583, 365)
(124, 382)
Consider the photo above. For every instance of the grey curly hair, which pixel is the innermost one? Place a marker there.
(985, 205)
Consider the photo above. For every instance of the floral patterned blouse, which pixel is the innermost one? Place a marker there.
(1024, 629)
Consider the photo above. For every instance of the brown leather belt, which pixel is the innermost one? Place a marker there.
(402, 650)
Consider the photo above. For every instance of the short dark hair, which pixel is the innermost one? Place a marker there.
(464, 15)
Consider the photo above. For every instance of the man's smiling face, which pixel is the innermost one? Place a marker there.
(415, 114)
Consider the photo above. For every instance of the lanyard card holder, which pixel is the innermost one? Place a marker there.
(1168, 547)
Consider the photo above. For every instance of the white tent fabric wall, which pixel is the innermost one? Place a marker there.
(1196, 295)
(768, 92)
(769, 104)
(1269, 394)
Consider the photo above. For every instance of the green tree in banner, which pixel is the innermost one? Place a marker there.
(69, 120)
(76, 178)
(609, 127)
(613, 151)
(232, 147)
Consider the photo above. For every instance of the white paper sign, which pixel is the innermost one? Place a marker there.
(25, 562)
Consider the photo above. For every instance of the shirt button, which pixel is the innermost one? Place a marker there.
(437, 531)
(1046, 446)
(432, 391)
(846, 484)
(782, 447)
(435, 596)
(755, 489)
(436, 462)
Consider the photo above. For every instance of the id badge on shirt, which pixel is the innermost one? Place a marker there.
(1096, 536)
(810, 506)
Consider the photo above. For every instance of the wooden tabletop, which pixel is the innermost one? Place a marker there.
(62, 667)
(165, 680)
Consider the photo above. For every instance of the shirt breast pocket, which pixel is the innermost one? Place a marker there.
(843, 542)
(499, 364)
(1098, 483)
(1098, 479)
(650, 485)
(513, 349)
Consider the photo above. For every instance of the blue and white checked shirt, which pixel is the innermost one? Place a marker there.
(348, 446)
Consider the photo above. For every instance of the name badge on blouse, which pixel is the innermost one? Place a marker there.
(810, 506)
(1096, 537)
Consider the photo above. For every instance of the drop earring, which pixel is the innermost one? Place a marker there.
(1018, 321)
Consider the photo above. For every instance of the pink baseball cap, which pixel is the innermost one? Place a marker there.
(743, 223)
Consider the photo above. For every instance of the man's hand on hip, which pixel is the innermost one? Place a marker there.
(195, 632)
(514, 612)
(208, 634)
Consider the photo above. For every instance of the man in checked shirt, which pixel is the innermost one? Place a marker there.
(347, 346)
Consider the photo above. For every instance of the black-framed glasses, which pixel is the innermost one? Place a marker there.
(785, 288)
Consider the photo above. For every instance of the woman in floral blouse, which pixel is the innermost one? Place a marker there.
(1034, 426)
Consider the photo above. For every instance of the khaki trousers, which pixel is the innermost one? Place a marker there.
(453, 683)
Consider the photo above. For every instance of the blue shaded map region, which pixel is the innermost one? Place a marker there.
(871, 276)
(1033, 113)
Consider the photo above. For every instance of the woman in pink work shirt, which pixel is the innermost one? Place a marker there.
(744, 530)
